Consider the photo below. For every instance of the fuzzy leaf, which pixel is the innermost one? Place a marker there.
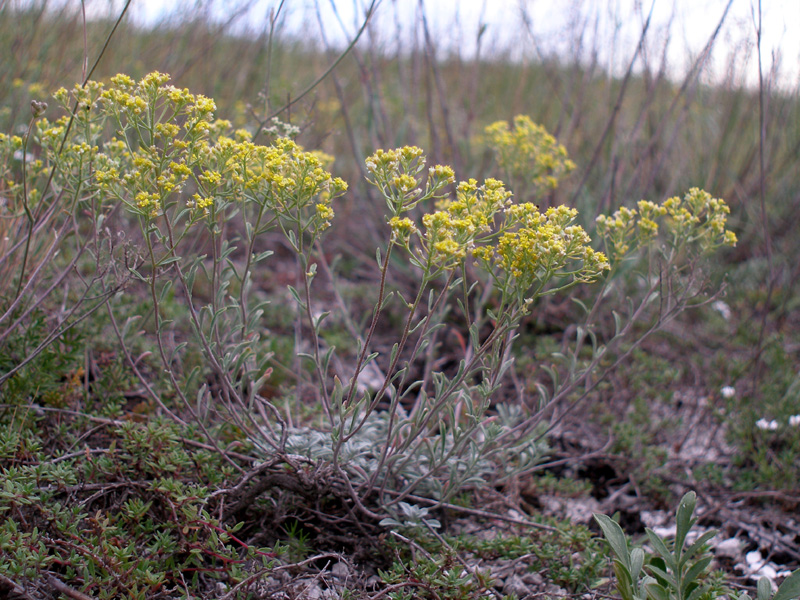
(296, 295)
(616, 539)
(617, 323)
(318, 321)
(656, 591)
(386, 300)
(581, 304)
(262, 255)
(663, 576)
(790, 588)
(694, 572)
(764, 589)
(660, 547)
(698, 545)
(637, 561)
(624, 586)
(698, 592)
(684, 520)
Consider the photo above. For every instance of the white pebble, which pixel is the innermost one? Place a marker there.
(767, 425)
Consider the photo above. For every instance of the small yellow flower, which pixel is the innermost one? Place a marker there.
(153, 80)
(402, 228)
(203, 105)
(325, 213)
(404, 183)
(123, 81)
(211, 177)
(443, 173)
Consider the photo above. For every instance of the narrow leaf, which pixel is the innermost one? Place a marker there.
(684, 520)
(262, 255)
(637, 561)
(694, 572)
(624, 586)
(698, 545)
(615, 537)
(387, 299)
(663, 576)
(296, 295)
(698, 592)
(764, 589)
(617, 323)
(660, 547)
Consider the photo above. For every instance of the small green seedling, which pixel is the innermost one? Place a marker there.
(674, 570)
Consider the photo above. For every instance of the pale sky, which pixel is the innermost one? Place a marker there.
(612, 27)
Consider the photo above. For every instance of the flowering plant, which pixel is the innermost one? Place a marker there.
(206, 198)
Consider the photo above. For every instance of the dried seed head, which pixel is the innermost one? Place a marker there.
(37, 107)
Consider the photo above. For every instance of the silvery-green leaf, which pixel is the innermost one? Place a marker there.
(790, 588)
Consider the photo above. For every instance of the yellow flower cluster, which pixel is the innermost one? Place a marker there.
(529, 153)
(700, 217)
(398, 175)
(148, 201)
(169, 141)
(543, 245)
(200, 202)
(446, 239)
(696, 218)
(516, 242)
(393, 160)
(462, 224)
(618, 231)
(402, 229)
(479, 205)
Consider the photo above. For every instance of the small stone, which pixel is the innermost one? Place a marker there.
(581, 510)
(666, 532)
(515, 585)
(730, 548)
(653, 518)
(754, 560)
(308, 589)
(554, 590)
(770, 572)
(533, 580)
(282, 576)
(340, 570)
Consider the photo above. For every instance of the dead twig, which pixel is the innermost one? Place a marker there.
(63, 588)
